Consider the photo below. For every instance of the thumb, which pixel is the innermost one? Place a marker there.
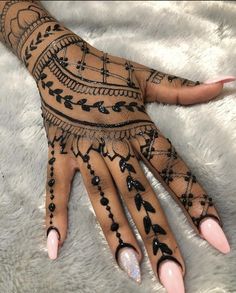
(177, 90)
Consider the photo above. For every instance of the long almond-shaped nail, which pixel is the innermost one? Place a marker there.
(52, 244)
(128, 261)
(171, 277)
(223, 79)
(213, 233)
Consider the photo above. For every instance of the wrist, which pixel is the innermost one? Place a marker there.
(30, 31)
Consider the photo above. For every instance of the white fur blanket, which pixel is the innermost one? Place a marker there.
(196, 40)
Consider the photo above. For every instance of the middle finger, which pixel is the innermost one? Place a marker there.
(142, 204)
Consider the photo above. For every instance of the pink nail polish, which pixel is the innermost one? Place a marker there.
(223, 79)
(170, 275)
(52, 244)
(213, 233)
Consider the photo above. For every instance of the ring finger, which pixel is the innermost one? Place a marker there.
(109, 211)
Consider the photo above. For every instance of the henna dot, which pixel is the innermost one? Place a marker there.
(51, 182)
(91, 172)
(100, 188)
(52, 197)
(95, 180)
(51, 216)
(111, 216)
(52, 152)
(190, 203)
(108, 208)
(51, 190)
(51, 168)
(114, 226)
(51, 174)
(86, 158)
(117, 234)
(88, 166)
(210, 199)
(51, 161)
(52, 207)
(50, 222)
(101, 193)
(104, 201)
(202, 202)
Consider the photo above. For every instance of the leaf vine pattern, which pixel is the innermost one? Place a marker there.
(99, 105)
(39, 39)
(140, 203)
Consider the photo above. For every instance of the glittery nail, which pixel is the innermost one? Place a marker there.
(128, 262)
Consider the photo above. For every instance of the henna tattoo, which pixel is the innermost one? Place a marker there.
(73, 82)
(19, 25)
(68, 100)
(103, 200)
(140, 203)
(51, 184)
(170, 173)
(39, 39)
(157, 77)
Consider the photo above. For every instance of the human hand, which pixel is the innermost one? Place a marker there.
(95, 121)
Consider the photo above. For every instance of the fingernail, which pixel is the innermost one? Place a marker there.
(223, 79)
(170, 275)
(213, 233)
(52, 244)
(128, 261)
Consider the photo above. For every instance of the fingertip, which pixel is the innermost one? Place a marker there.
(213, 233)
(52, 244)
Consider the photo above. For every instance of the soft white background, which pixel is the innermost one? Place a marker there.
(196, 40)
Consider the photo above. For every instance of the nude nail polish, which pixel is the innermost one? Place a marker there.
(52, 244)
(213, 233)
(223, 79)
(128, 261)
(171, 277)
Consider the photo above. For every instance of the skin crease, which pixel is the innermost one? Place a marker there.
(93, 109)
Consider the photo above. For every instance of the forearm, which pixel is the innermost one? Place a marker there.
(28, 29)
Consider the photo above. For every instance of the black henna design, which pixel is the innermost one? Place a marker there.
(51, 183)
(20, 25)
(77, 85)
(169, 174)
(51, 29)
(74, 78)
(157, 77)
(95, 179)
(68, 100)
(140, 203)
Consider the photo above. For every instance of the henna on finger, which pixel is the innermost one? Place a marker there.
(162, 156)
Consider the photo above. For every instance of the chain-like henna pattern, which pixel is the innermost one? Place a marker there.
(51, 184)
(151, 151)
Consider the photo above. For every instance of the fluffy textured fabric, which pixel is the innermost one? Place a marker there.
(190, 39)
